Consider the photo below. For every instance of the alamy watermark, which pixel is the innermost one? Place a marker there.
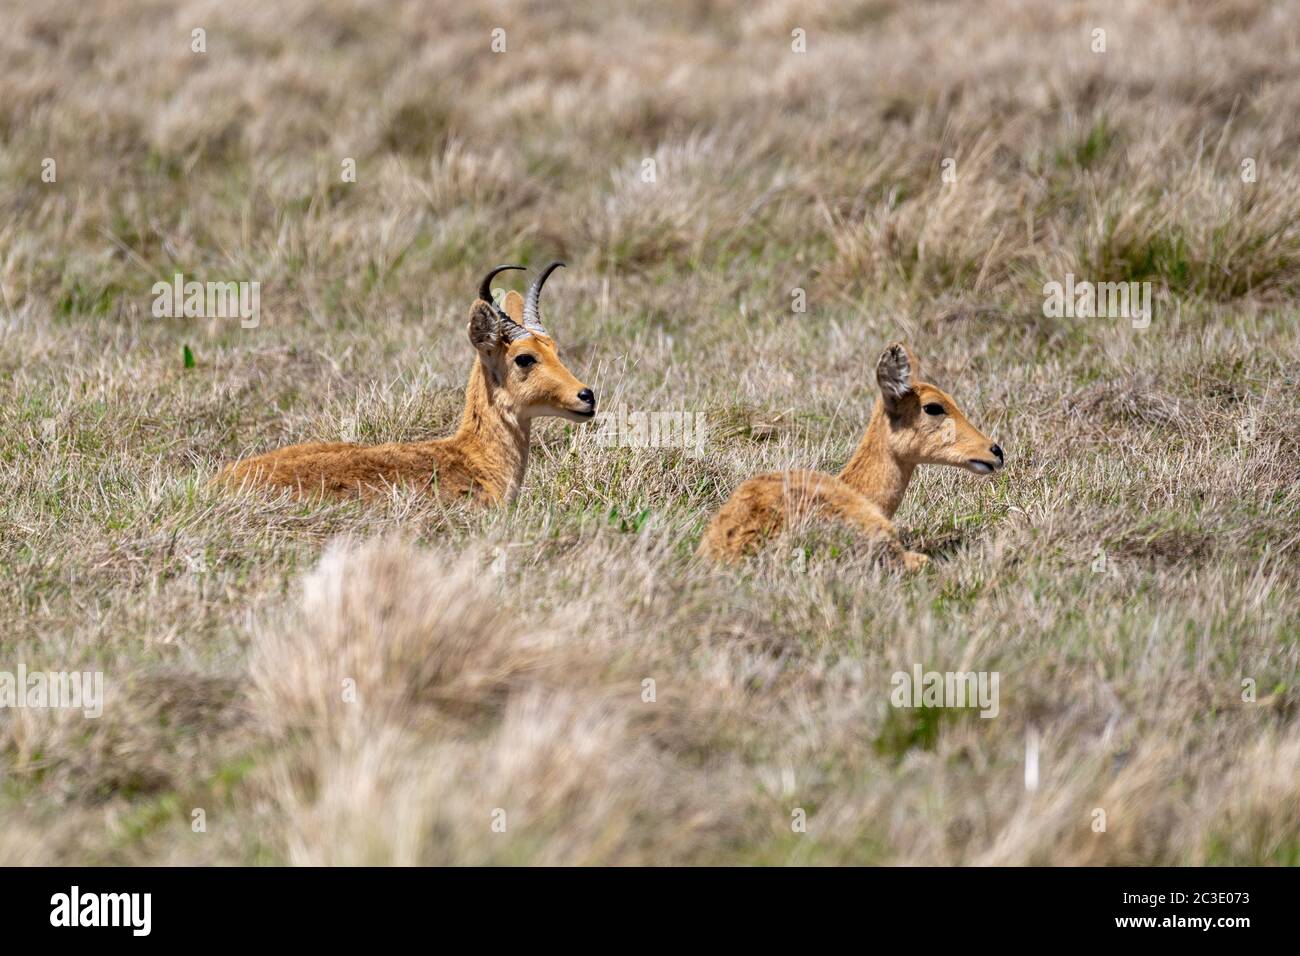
(946, 689)
(624, 429)
(77, 690)
(133, 911)
(1098, 300)
(208, 300)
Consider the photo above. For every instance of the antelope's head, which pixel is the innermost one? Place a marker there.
(925, 425)
(520, 357)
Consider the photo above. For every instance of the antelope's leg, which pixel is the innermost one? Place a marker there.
(830, 497)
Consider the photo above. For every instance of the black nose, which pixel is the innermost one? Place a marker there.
(588, 396)
(997, 450)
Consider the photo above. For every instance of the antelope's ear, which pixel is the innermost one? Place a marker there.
(513, 306)
(484, 329)
(896, 373)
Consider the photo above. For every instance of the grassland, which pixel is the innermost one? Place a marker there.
(1132, 567)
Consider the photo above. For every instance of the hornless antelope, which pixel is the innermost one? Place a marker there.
(517, 376)
(913, 423)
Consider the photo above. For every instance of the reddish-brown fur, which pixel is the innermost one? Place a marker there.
(486, 457)
(867, 493)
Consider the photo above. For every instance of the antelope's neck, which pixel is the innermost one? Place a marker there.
(492, 439)
(873, 470)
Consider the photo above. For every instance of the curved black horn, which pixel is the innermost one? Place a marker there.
(532, 310)
(505, 324)
(485, 290)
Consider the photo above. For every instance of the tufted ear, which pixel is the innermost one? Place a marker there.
(896, 373)
(484, 329)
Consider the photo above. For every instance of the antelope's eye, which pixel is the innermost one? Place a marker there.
(525, 360)
(933, 408)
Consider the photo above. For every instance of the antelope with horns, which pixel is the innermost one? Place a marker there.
(913, 423)
(517, 376)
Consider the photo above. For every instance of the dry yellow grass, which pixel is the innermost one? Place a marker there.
(383, 683)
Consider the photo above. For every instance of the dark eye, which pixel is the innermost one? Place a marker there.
(525, 360)
(933, 408)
